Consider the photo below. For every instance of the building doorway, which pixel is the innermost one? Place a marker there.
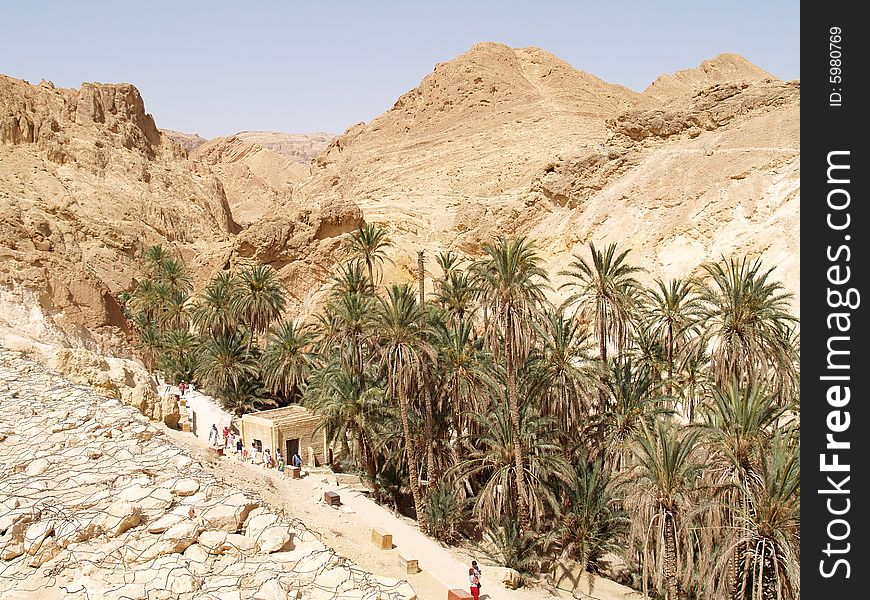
(292, 448)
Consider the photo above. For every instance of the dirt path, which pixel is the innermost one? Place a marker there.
(348, 530)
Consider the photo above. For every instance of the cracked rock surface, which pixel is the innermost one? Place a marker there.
(96, 503)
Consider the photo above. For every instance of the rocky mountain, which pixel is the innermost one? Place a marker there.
(189, 141)
(724, 68)
(299, 147)
(704, 163)
(87, 182)
(256, 180)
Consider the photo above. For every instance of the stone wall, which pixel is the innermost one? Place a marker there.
(274, 428)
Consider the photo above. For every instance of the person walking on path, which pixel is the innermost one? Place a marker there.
(213, 434)
(240, 447)
(280, 459)
(476, 568)
(267, 458)
(253, 453)
(475, 583)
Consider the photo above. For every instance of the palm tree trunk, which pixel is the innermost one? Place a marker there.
(670, 558)
(419, 509)
(457, 423)
(738, 582)
(427, 396)
(368, 460)
(522, 501)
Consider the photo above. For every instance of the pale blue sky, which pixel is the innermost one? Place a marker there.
(220, 67)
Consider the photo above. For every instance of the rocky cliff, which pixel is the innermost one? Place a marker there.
(298, 147)
(87, 182)
(500, 140)
(256, 180)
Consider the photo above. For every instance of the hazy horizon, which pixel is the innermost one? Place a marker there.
(215, 68)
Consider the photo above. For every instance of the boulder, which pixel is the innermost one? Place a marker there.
(37, 467)
(164, 523)
(229, 513)
(221, 542)
(121, 516)
(76, 528)
(36, 534)
(184, 487)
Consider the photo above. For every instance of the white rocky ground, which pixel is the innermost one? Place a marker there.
(95, 502)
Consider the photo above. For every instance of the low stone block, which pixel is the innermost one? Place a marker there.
(457, 594)
(382, 539)
(409, 563)
(332, 498)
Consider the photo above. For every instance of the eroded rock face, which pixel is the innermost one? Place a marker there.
(110, 523)
(87, 182)
(514, 141)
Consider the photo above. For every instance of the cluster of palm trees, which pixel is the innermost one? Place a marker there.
(660, 423)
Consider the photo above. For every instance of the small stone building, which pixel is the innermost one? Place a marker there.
(290, 429)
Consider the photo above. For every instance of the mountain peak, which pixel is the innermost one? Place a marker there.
(723, 68)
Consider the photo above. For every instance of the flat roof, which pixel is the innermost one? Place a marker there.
(283, 415)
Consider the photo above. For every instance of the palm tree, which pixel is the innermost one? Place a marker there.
(258, 299)
(635, 403)
(448, 261)
(172, 272)
(455, 293)
(511, 285)
(467, 373)
(673, 310)
(179, 357)
(226, 361)
(403, 350)
(349, 412)
(661, 490)
(369, 243)
(562, 373)
(245, 395)
(348, 324)
(150, 344)
(763, 545)
(748, 326)
(739, 424)
(351, 279)
(591, 522)
(606, 294)
(492, 461)
(154, 259)
(213, 313)
(287, 360)
(149, 298)
(176, 310)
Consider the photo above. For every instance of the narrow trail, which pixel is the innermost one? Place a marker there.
(348, 531)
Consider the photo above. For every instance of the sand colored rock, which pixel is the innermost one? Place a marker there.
(134, 538)
(298, 147)
(188, 141)
(513, 141)
(498, 140)
(256, 180)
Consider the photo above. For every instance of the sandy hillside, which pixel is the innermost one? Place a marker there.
(498, 140)
(256, 180)
(515, 141)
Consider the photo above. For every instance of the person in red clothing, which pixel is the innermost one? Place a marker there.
(475, 583)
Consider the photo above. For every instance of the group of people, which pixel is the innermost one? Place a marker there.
(234, 444)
